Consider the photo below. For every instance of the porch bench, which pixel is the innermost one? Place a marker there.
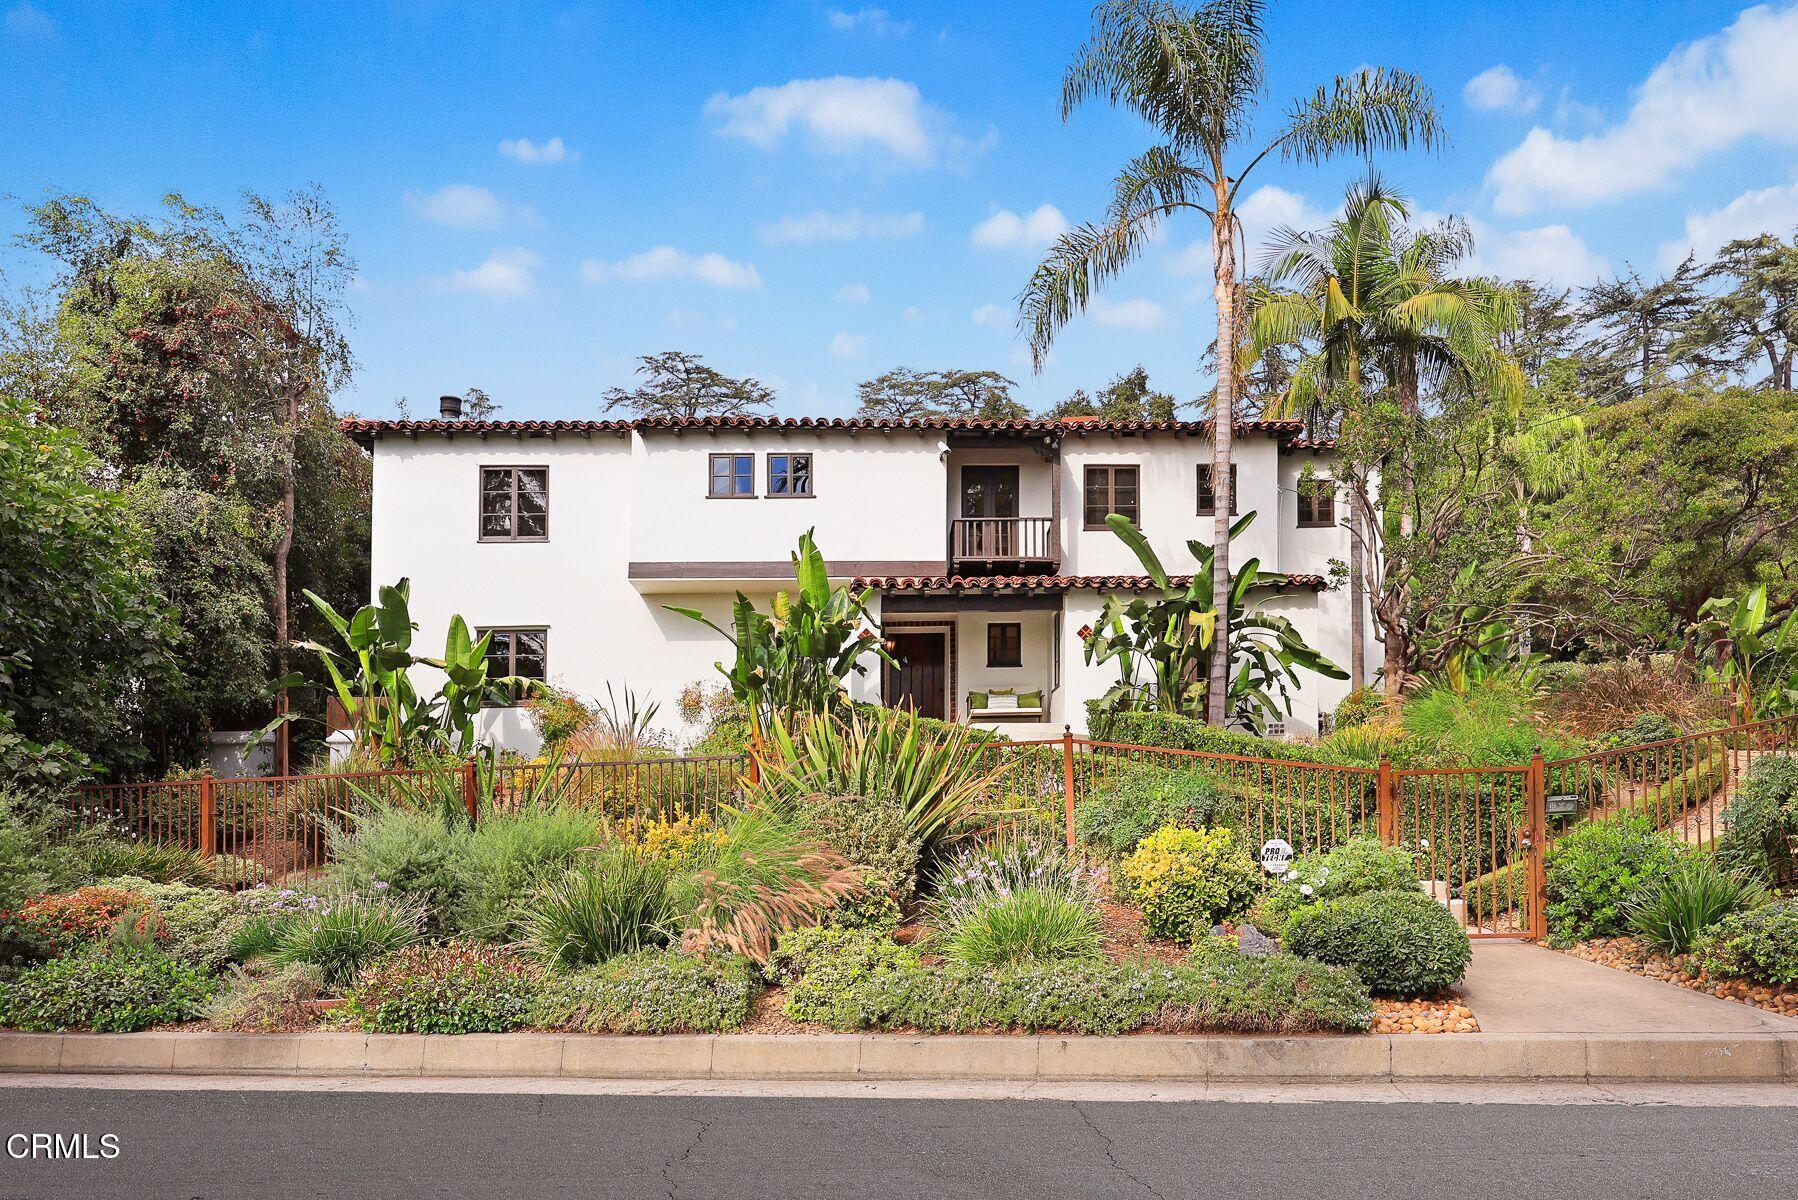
(999, 704)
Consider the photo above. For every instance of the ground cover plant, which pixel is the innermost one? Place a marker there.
(456, 987)
(652, 991)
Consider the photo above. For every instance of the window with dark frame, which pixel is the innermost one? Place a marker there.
(1208, 491)
(514, 504)
(1005, 644)
(789, 474)
(1317, 503)
(1111, 490)
(733, 476)
(521, 652)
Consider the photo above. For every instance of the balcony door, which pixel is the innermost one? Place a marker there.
(920, 681)
(989, 506)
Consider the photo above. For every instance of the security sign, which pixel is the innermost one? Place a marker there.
(1276, 855)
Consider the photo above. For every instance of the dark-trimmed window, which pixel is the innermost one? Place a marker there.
(521, 652)
(1005, 644)
(789, 474)
(1317, 503)
(1208, 491)
(733, 475)
(1111, 490)
(514, 504)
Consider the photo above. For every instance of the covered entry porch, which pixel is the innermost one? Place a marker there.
(975, 656)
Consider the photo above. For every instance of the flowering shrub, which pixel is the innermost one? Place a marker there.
(83, 914)
(1357, 866)
(982, 873)
(193, 924)
(1402, 943)
(1187, 880)
(1761, 944)
(106, 989)
(670, 842)
(462, 987)
(652, 991)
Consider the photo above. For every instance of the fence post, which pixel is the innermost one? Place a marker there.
(1386, 804)
(209, 814)
(1067, 779)
(1536, 793)
(468, 788)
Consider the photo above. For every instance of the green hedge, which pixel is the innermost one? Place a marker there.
(1171, 731)
(1402, 943)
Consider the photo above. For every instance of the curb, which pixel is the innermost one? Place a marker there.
(1479, 1056)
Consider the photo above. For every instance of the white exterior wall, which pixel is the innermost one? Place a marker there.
(615, 499)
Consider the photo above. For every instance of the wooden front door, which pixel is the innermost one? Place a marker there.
(918, 682)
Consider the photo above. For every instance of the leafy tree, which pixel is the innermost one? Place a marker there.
(904, 394)
(1197, 77)
(1754, 323)
(1638, 344)
(680, 387)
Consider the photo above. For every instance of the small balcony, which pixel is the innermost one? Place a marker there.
(986, 545)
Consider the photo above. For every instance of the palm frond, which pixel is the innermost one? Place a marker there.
(1372, 109)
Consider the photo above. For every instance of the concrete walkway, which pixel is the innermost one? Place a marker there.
(1516, 987)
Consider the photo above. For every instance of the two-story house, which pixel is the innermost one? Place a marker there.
(984, 542)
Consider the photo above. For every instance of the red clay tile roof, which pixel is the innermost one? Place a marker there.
(364, 431)
(1057, 583)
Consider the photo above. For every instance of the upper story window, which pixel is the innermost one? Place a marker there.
(1208, 491)
(520, 652)
(514, 504)
(1317, 503)
(1111, 490)
(733, 476)
(1005, 644)
(789, 474)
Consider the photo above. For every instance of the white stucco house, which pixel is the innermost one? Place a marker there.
(984, 543)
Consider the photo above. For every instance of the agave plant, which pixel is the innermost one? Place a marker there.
(1161, 640)
(937, 774)
(797, 657)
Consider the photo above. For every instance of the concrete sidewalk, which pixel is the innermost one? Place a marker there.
(1517, 987)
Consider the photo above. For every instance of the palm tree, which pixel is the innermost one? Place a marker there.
(1376, 299)
(1196, 77)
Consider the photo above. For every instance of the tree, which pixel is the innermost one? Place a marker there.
(1639, 329)
(1196, 76)
(1128, 397)
(678, 386)
(903, 394)
(1385, 318)
(1754, 323)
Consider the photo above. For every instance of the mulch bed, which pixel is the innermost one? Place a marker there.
(1638, 958)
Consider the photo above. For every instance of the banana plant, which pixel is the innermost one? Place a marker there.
(797, 657)
(1162, 640)
(1750, 652)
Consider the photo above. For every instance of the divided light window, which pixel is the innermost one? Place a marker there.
(1111, 490)
(1005, 644)
(733, 475)
(789, 474)
(514, 504)
(1208, 492)
(1317, 503)
(520, 652)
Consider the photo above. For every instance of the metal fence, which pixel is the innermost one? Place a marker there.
(1480, 833)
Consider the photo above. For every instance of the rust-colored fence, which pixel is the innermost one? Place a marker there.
(265, 828)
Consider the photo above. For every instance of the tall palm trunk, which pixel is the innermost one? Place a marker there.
(1357, 596)
(1223, 432)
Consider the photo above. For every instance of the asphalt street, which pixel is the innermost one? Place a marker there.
(276, 1144)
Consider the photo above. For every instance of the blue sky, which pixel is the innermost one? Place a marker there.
(813, 193)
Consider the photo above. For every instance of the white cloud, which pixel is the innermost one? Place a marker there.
(839, 115)
(1704, 97)
(459, 206)
(1006, 230)
(993, 315)
(1262, 211)
(1553, 254)
(538, 154)
(1768, 210)
(506, 274)
(876, 21)
(1129, 314)
(853, 293)
(848, 345)
(25, 20)
(667, 262)
(912, 316)
(1501, 89)
(821, 226)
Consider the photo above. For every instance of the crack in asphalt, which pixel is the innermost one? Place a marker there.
(1111, 1154)
(704, 1123)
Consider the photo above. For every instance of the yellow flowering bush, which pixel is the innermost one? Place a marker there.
(675, 841)
(1187, 880)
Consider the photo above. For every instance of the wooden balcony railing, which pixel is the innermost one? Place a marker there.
(1004, 539)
